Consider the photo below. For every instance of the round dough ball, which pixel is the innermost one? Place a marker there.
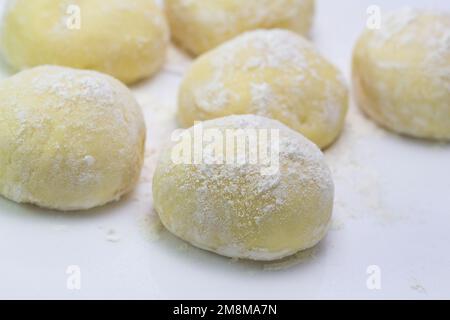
(69, 139)
(272, 73)
(199, 25)
(261, 210)
(126, 39)
(401, 73)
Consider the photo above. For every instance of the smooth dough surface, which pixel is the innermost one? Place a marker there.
(236, 210)
(69, 139)
(199, 25)
(126, 39)
(273, 73)
(401, 73)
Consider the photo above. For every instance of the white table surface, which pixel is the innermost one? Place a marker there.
(392, 210)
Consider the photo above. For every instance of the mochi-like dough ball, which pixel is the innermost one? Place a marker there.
(272, 73)
(256, 190)
(199, 25)
(69, 139)
(126, 39)
(401, 73)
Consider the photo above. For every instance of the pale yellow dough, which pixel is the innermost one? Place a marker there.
(273, 73)
(69, 139)
(199, 25)
(236, 209)
(126, 39)
(401, 73)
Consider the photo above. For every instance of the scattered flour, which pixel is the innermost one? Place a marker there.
(112, 235)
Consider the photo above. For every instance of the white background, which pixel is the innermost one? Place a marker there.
(392, 210)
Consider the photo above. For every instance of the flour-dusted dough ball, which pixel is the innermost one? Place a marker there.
(245, 209)
(123, 38)
(69, 139)
(401, 73)
(272, 73)
(199, 25)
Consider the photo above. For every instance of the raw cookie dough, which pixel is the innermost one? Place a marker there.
(126, 39)
(69, 139)
(199, 25)
(273, 73)
(261, 210)
(401, 73)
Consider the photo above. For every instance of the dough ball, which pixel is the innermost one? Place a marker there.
(245, 205)
(272, 73)
(199, 25)
(126, 39)
(401, 73)
(69, 139)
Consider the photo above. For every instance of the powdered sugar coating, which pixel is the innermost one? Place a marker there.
(126, 39)
(70, 139)
(199, 26)
(272, 73)
(402, 73)
(235, 210)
